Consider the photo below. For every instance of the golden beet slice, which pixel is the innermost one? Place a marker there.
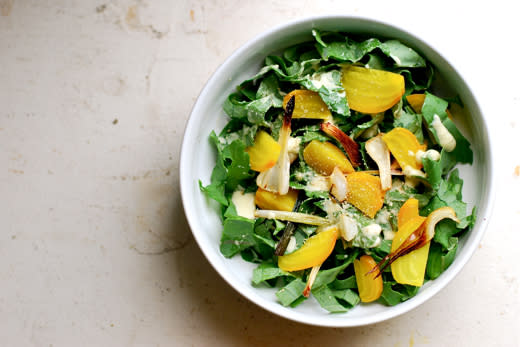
(369, 285)
(272, 201)
(370, 90)
(307, 104)
(403, 145)
(350, 146)
(364, 192)
(409, 210)
(314, 251)
(409, 268)
(264, 153)
(323, 157)
(416, 101)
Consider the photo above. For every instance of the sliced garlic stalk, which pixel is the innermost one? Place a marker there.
(379, 152)
(276, 179)
(295, 217)
(338, 184)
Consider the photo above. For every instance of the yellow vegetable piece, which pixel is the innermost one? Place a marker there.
(369, 286)
(371, 90)
(364, 192)
(403, 145)
(307, 104)
(416, 101)
(264, 153)
(323, 157)
(409, 268)
(272, 201)
(409, 210)
(313, 252)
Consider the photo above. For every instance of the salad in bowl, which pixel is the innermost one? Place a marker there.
(336, 173)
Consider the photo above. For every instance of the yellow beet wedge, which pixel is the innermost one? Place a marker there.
(416, 101)
(370, 286)
(307, 104)
(323, 157)
(409, 268)
(364, 192)
(403, 145)
(370, 90)
(409, 210)
(264, 153)
(420, 231)
(273, 201)
(313, 252)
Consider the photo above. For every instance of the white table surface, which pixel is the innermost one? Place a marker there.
(94, 246)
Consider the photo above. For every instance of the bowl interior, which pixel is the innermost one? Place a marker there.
(198, 159)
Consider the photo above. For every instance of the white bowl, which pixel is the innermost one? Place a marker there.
(198, 159)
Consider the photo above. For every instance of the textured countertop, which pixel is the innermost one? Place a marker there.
(94, 246)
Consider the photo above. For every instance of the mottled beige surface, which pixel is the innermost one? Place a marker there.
(94, 245)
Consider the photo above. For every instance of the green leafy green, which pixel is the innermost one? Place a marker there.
(395, 293)
(449, 193)
(439, 258)
(291, 292)
(237, 235)
(269, 88)
(328, 276)
(238, 168)
(347, 283)
(349, 297)
(346, 50)
(412, 122)
(267, 271)
(326, 298)
(402, 55)
(349, 50)
(434, 106)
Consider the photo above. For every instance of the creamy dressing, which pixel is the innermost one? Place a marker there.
(304, 175)
(409, 171)
(430, 154)
(348, 227)
(371, 230)
(318, 183)
(244, 203)
(388, 234)
(228, 139)
(324, 79)
(398, 185)
(293, 148)
(376, 242)
(382, 217)
(366, 241)
(331, 208)
(411, 176)
(446, 139)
